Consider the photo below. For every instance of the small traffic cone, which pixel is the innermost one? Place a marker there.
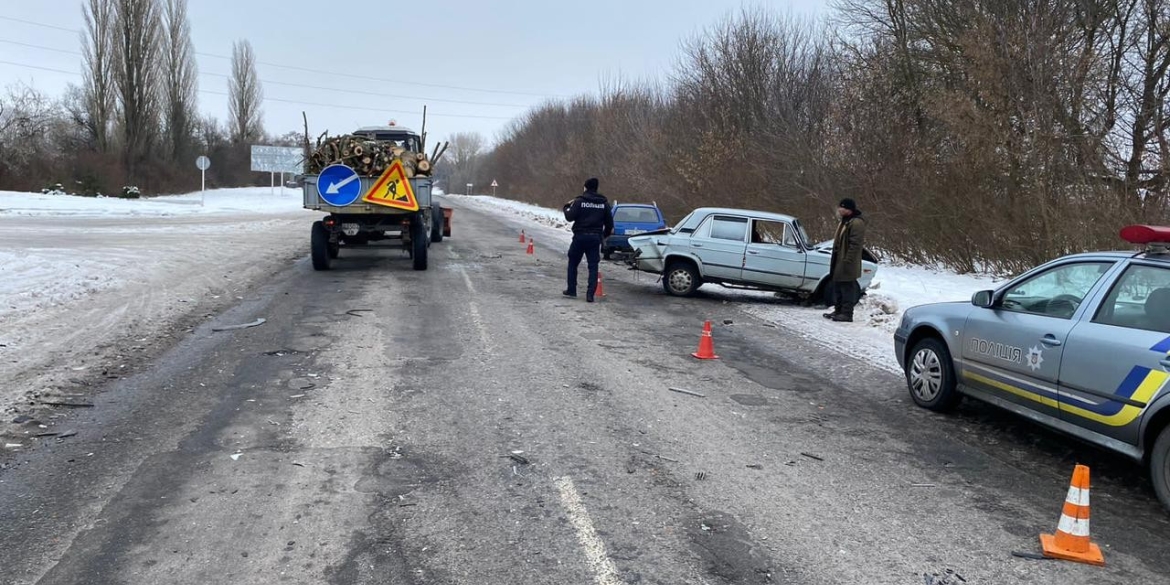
(1071, 541)
(531, 250)
(600, 286)
(521, 236)
(706, 345)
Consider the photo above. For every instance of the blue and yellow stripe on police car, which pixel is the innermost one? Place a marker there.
(1141, 386)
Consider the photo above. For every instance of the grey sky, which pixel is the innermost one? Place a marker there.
(540, 49)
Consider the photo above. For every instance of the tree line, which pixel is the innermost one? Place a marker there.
(982, 135)
(133, 118)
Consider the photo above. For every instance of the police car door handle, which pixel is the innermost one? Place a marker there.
(752, 252)
(1050, 341)
(696, 244)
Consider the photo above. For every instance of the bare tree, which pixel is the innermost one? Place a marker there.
(97, 48)
(137, 76)
(245, 95)
(179, 78)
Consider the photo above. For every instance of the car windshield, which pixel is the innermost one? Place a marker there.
(800, 233)
(680, 224)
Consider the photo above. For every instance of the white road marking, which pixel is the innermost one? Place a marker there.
(473, 308)
(604, 573)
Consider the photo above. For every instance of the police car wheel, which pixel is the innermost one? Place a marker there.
(1160, 467)
(930, 376)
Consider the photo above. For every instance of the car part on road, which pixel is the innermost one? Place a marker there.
(930, 375)
(256, 323)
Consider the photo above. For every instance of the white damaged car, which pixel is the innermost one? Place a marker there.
(738, 248)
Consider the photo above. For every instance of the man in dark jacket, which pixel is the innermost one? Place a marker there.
(845, 263)
(592, 222)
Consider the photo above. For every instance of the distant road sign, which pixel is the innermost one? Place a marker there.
(277, 159)
(202, 163)
(339, 185)
(494, 183)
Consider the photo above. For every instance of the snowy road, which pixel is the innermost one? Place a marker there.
(468, 425)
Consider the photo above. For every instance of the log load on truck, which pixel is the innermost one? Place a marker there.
(375, 185)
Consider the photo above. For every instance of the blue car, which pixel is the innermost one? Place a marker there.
(631, 219)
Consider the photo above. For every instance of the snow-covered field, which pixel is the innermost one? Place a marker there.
(85, 281)
(869, 337)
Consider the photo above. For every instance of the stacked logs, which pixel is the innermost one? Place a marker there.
(368, 157)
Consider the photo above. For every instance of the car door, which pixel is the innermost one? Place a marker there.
(1013, 350)
(719, 244)
(1117, 362)
(773, 257)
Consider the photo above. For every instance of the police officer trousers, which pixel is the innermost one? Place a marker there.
(588, 245)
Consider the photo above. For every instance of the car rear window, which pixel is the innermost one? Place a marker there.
(635, 215)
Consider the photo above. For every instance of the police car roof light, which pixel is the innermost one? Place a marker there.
(1155, 238)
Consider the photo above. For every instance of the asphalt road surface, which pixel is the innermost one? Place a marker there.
(467, 424)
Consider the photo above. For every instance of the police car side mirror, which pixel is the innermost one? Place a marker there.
(982, 299)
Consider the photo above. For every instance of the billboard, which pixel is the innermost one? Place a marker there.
(277, 159)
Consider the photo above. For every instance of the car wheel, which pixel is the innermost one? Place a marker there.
(1160, 467)
(681, 279)
(930, 376)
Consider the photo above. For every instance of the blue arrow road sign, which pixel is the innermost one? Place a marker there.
(339, 185)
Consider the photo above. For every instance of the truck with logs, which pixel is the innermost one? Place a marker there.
(375, 185)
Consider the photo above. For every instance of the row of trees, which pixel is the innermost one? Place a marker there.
(983, 135)
(133, 119)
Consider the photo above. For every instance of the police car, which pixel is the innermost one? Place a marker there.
(1080, 344)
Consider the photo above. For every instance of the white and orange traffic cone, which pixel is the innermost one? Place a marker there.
(1071, 541)
(706, 344)
(521, 236)
(531, 249)
(600, 287)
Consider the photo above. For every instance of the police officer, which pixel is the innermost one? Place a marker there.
(592, 222)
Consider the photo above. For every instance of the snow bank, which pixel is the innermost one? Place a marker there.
(216, 201)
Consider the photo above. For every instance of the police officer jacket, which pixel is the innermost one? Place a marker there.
(590, 214)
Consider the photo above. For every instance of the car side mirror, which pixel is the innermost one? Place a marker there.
(982, 299)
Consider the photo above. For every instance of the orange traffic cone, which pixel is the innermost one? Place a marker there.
(600, 286)
(531, 250)
(1071, 541)
(706, 345)
(521, 236)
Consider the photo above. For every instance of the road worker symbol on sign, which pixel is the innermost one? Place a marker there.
(392, 189)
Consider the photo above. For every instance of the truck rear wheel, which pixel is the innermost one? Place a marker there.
(436, 223)
(419, 240)
(319, 246)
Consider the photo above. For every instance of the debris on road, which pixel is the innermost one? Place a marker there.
(923, 485)
(69, 403)
(357, 312)
(1031, 555)
(12, 445)
(522, 460)
(298, 464)
(255, 323)
(301, 384)
(682, 391)
(25, 419)
(66, 434)
(700, 476)
(298, 396)
(948, 577)
(754, 466)
(728, 322)
(811, 456)
(236, 456)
